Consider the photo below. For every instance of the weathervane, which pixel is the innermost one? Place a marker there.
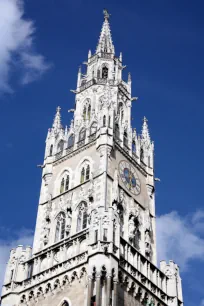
(106, 14)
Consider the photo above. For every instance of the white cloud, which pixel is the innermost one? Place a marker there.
(23, 237)
(179, 238)
(17, 46)
(202, 303)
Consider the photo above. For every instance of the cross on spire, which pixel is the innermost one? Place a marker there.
(106, 14)
(57, 120)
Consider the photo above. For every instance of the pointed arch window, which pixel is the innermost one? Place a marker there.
(84, 113)
(125, 139)
(65, 181)
(93, 128)
(60, 146)
(71, 141)
(117, 131)
(98, 74)
(82, 219)
(82, 175)
(87, 173)
(51, 150)
(82, 134)
(62, 186)
(104, 121)
(109, 121)
(60, 227)
(105, 72)
(89, 112)
(133, 147)
(141, 154)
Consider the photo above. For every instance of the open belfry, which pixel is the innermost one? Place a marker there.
(95, 237)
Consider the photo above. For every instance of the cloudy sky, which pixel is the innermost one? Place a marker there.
(42, 43)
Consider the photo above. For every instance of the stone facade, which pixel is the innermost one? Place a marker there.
(95, 240)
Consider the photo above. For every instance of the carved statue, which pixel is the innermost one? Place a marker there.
(131, 227)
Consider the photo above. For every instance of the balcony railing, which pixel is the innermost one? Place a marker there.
(81, 143)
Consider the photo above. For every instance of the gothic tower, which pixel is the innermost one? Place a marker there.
(95, 239)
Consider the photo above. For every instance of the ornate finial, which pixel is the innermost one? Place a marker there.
(106, 14)
(145, 119)
(58, 109)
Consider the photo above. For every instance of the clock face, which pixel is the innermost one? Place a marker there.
(129, 177)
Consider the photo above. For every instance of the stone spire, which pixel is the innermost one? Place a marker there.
(105, 43)
(57, 120)
(145, 131)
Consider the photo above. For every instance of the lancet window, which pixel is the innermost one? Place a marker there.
(60, 227)
(85, 173)
(82, 134)
(51, 150)
(104, 121)
(65, 182)
(125, 139)
(60, 146)
(82, 219)
(93, 128)
(104, 72)
(65, 303)
(71, 141)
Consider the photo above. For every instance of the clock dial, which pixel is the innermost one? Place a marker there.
(129, 177)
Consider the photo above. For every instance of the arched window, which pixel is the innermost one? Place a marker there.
(141, 154)
(149, 161)
(87, 172)
(93, 128)
(84, 113)
(62, 186)
(104, 121)
(51, 150)
(82, 219)
(125, 139)
(82, 134)
(60, 227)
(71, 141)
(89, 111)
(98, 74)
(104, 72)
(60, 146)
(82, 175)
(109, 121)
(117, 131)
(67, 183)
(133, 147)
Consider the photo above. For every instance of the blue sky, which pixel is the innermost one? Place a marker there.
(163, 46)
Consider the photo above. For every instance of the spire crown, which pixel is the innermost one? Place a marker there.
(145, 131)
(57, 120)
(105, 43)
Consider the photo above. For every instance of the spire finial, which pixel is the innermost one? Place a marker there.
(106, 14)
(145, 131)
(57, 120)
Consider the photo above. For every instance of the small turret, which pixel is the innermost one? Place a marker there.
(145, 131)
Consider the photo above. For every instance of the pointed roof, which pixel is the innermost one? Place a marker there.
(57, 120)
(145, 131)
(105, 43)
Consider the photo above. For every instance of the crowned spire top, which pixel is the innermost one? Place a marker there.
(105, 43)
(57, 120)
(145, 131)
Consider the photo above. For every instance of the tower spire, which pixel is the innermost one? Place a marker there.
(145, 131)
(105, 43)
(57, 120)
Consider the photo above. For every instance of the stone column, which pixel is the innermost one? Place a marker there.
(98, 289)
(89, 295)
(108, 293)
(115, 292)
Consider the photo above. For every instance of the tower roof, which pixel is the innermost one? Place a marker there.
(57, 120)
(145, 131)
(105, 43)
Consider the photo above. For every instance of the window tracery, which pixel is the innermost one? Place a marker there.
(71, 141)
(85, 174)
(60, 227)
(60, 146)
(82, 219)
(93, 128)
(65, 182)
(82, 134)
(86, 114)
(105, 72)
